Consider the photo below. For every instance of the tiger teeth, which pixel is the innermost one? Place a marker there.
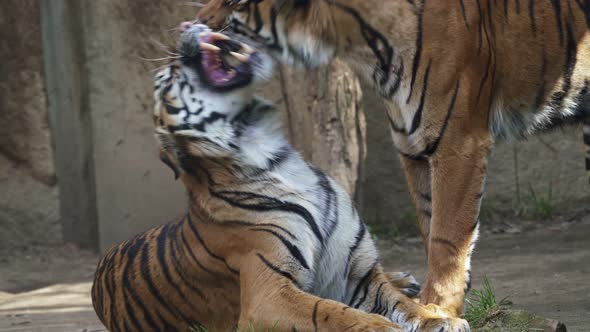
(241, 57)
(219, 36)
(247, 49)
(209, 47)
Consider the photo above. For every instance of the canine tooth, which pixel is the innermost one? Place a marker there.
(209, 47)
(219, 36)
(241, 57)
(247, 49)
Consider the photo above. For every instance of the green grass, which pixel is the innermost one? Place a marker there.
(381, 231)
(536, 204)
(542, 204)
(482, 304)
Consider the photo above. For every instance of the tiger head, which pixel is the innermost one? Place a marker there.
(205, 101)
(298, 32)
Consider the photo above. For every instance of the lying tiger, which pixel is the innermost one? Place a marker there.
(268, 240)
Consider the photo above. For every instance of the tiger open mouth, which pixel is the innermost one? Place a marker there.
(221, 63)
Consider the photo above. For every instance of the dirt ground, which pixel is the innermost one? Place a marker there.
(544, 270)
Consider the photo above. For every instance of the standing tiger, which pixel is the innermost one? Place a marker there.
(456, 77)
(268, 241)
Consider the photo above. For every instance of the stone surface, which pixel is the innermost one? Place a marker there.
(23, 106)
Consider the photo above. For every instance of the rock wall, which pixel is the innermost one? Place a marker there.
(23, 105)
(28, 193)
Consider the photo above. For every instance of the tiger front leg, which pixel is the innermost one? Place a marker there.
(458, 174)
(271, 299)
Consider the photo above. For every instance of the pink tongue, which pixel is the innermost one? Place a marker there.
(218, 75)
(214, 70)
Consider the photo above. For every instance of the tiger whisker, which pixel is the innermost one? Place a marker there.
(192, 4)
(161, 59)
(158, 68)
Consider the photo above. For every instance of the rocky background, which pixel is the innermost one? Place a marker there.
(532, 179)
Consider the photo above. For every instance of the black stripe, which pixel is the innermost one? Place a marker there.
(290, 246)
(273, 28)
(416, 157)
(394, 127)
(431, 148)
(254, 225)
(314, 317)
(153, 289)
(133, 251)
(257, 18)
(202, 242)
(506, 10)
(364, 279)
(377, 305)
(462, 2)
(481, 23)
(365, 293)
(399, 72)
(418, 53)
(468, 281)
(131, 315)
(376, 41)
(488, 64)
(541, 93)
(426, 212)
(517, 7)
(278, 158)
(532, 16)
(330, 215)
(426, 196)
(161, 244)
(586, 10)
(557, 10)
(188, 249)
(569, 65)
(357, 241)
(177, 264)
(269, 204)
(393, 308)
(418, 115)
(450, 245)
(278, 270)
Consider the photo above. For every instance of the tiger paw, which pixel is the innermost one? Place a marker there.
(375, 323)
(445, 324)
(405, 282)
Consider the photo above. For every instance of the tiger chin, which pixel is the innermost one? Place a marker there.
(268, 241)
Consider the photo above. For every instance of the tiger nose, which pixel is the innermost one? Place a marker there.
(188, 25)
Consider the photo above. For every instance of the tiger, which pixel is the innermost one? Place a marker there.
(268, 241)
(456, 77)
